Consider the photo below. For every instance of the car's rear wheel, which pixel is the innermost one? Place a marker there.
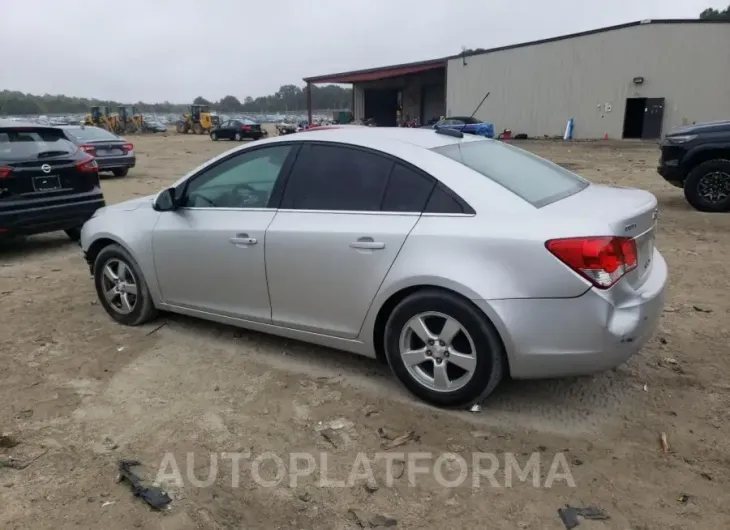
(214, 137)
(707, 187)
(443, 349)
(238, 137)
(121, 287)
(74, 233)
(123, 172)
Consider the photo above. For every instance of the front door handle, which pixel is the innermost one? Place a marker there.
(242, 240)
(367, 243)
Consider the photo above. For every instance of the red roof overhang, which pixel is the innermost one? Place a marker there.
(376, 74)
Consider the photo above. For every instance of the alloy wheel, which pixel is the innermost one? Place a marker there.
(714, 187)
(438, 351)
(119, 286)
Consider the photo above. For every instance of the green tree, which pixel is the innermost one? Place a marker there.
(229, 104)
(288, 97)
(715, 14)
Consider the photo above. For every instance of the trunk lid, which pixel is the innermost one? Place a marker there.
(627, 212)
(38, 162)
(45, 178)
(106, 148)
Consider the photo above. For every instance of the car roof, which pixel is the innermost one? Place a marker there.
(373, 137)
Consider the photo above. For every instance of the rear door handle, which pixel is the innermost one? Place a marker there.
(242, 240)
(367, 243)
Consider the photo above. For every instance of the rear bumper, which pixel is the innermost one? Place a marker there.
(548, 338)
(37, 217)
(116, 162)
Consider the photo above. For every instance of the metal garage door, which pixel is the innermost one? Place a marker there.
(433, 102)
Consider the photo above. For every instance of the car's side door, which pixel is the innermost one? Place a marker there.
(224, 130)
(330, 245)
(209, 252)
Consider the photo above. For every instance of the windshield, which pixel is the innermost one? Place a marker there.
(536, 180)
(90, 134)
(29, 143)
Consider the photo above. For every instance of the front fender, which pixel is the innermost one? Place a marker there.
(133, 231)
(699, 153)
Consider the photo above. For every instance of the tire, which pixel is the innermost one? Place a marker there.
(488, 360)
(74, 234)
(198, 129)
(238, 137)
(141, 307)
(214, 137)
(715, 176)
(181, 128)
(123, 172)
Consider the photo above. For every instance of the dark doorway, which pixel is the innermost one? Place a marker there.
(381, 105)
(643, 118)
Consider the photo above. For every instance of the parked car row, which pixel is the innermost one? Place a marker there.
(49, 175)
(404, 238)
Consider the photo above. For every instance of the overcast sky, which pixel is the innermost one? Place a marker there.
(156, 50)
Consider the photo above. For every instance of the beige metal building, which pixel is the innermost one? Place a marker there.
(636, 80)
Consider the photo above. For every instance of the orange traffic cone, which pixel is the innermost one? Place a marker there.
(605, 136)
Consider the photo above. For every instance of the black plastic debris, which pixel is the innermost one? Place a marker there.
(152, 495)
(570, 515)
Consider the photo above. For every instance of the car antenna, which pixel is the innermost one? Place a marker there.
(477, 109)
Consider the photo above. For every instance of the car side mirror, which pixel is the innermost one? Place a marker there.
(165, 201)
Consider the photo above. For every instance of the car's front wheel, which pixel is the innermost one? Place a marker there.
(707, 187)
(214, 137)
(443, 349)
(121, 287)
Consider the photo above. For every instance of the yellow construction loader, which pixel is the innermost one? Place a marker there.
(130, 121)
(99, 116)
(199, 119)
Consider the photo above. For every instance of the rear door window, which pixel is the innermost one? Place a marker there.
(534, 179)
(337, 178)
(31, 144)
(407, 191)
(92, 134)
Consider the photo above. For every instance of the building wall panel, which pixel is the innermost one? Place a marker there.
(536, 89)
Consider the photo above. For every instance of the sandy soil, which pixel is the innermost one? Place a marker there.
(79, 392)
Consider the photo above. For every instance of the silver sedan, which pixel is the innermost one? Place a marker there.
(456, 259)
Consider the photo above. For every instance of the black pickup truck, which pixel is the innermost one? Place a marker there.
(697, 159)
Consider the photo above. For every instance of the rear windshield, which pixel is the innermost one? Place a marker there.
(536, 180)
(29, 143)
(90, 134)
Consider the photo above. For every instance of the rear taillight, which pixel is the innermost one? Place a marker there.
(246, 128)
(601, 260)
(88, 165)
(88, 148)
(128, 147)
(4, 172)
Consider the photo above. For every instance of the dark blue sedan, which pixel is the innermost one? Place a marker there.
(466, 125)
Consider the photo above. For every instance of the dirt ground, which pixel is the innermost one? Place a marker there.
(78, 392)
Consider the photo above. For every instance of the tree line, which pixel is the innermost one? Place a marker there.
(287, 98)
(715, 14)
